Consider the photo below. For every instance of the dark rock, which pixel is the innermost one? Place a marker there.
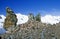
(0, 17)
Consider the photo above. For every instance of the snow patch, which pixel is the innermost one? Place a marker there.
(49, 19)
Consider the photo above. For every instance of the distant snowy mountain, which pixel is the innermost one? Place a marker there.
(22, 18)
(49, 19)
(2, 17)
(2, 30)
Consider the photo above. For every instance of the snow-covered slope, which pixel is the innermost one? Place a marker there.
(22, 18)
(2, 30)
(1, 21)
(49, 19)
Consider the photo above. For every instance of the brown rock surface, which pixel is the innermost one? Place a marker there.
(11, 18)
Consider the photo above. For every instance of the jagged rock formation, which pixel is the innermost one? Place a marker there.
(11, 19)
(29, 30)
(0, 17)
(33, 29)
(38, 17)
(31, 16)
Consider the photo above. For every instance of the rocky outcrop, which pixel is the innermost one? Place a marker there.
(31, 30)
(0, 17)
(11, 18)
